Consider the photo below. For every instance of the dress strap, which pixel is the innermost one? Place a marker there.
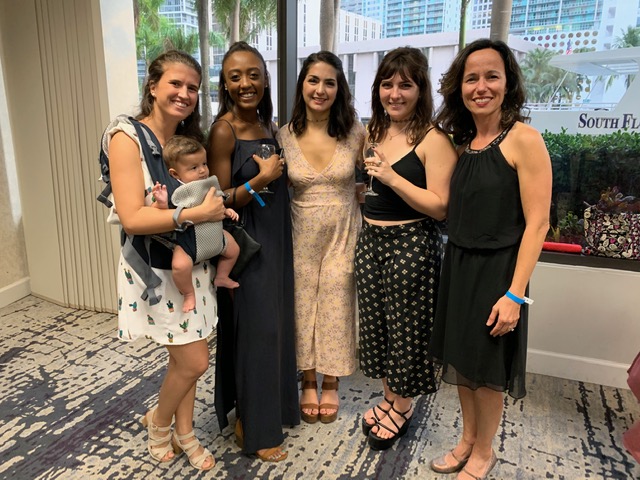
(230, 126)
(499, 138)
(425, 136)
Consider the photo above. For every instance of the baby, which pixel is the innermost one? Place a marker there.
(186, 160)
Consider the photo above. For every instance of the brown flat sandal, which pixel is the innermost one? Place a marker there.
(309, 417)
(329, 417)
(239, 434)
(274, 454)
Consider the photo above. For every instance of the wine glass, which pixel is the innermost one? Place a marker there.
(368, 155)
(265, 151)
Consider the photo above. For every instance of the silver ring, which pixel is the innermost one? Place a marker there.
(379, 163)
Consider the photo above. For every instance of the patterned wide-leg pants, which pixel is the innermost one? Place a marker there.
(397, 276)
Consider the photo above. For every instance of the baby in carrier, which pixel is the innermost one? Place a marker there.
(186, 161)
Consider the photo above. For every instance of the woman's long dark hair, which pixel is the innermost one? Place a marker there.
(190, 126)
(454, 117)
(342, 114)
(412, 65)
(226, 103)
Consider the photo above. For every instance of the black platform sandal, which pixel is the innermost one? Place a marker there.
(366, 427)
(378, 443)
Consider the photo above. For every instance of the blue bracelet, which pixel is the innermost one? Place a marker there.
(517, 299)
(254, 194)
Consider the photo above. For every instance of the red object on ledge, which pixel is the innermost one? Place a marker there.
(562, 247)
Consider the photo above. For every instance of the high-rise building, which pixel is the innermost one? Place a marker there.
(182, 13)
(408, 17)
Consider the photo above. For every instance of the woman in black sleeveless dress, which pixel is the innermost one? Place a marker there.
(498, 219)
(399, 251)
(255, 360)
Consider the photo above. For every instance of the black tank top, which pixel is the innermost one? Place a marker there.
(388, 205)
(485, 210)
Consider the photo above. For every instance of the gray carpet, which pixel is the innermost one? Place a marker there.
(71, 396)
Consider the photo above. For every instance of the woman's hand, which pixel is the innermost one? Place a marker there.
(212, 208)
(379, 167)
(504, 317)
(270, 168)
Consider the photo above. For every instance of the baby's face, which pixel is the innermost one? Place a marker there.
(192, 167)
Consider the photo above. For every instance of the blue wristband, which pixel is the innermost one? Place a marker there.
(254, 194)
(517, 299)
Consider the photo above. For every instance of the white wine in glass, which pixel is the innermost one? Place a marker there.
(368, 155)
(265, 151)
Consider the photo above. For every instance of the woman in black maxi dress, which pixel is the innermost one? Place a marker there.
(255, 361)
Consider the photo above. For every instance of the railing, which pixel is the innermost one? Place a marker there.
(572, 106)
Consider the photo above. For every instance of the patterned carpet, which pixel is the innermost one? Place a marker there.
(71, 396)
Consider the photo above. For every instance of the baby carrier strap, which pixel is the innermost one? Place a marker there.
(136, 249)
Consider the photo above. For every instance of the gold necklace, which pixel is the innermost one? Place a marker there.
(391, 137)
(252, 124)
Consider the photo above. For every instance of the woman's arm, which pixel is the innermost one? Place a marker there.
(439, 157)
(127, 181)
(535, 178)
(531, 160)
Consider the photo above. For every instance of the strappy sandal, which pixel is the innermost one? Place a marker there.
(492, 463)
(310, 417)
(379, 443)
(329, 417)
(275, 454)
(196, 461)
(440, 464)
(366, 427)
(159, 442)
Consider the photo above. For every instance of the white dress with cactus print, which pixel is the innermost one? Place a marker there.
(165, 323)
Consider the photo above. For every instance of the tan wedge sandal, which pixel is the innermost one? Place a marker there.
(329, 417)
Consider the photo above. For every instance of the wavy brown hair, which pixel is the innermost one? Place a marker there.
(342, 114)
(226, 103)
(454, 117)
(190, 126)
(412, 65)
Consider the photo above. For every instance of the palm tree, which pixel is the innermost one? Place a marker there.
(630, 38)
(543, 82)
(463, 24)
(149, 24)
(203, 7)
(175, 38)
(500, 20)
(241, 19)
(329, 18)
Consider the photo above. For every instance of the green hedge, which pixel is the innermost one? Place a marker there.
(586, 165)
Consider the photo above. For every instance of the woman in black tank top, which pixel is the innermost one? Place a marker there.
(399, 250)
(498, 219)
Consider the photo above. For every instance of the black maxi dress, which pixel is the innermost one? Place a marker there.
(255, 357)
(486, 223)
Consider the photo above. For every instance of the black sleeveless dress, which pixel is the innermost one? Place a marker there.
(255, 357)
(486, 224)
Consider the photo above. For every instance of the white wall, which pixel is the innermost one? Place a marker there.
(584, 324)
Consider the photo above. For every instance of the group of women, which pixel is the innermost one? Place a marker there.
(295, 308)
